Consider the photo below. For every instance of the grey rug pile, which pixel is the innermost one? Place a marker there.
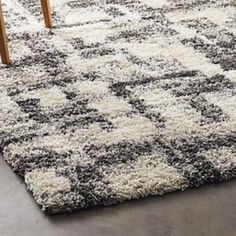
(122, 99)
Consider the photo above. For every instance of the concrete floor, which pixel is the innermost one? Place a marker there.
(209, 211)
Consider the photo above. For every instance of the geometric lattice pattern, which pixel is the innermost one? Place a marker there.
(122, 99)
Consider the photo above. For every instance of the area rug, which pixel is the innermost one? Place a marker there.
(122, 99)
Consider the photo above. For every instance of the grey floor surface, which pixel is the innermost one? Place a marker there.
(208, 211)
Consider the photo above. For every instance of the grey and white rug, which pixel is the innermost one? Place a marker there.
(122, 99)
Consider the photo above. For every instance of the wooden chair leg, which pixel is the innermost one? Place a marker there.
(47, 13)
(3, 40)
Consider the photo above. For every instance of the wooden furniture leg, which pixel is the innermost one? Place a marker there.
(47, 13)
(3, 40)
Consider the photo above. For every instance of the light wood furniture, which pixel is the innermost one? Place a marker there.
(47, 13)
(3, 38)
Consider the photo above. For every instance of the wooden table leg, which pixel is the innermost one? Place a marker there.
(47, 13)
(3, 39)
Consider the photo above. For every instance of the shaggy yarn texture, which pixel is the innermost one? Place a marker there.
(122, 99)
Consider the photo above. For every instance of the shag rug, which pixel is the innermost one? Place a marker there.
(122, 99)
